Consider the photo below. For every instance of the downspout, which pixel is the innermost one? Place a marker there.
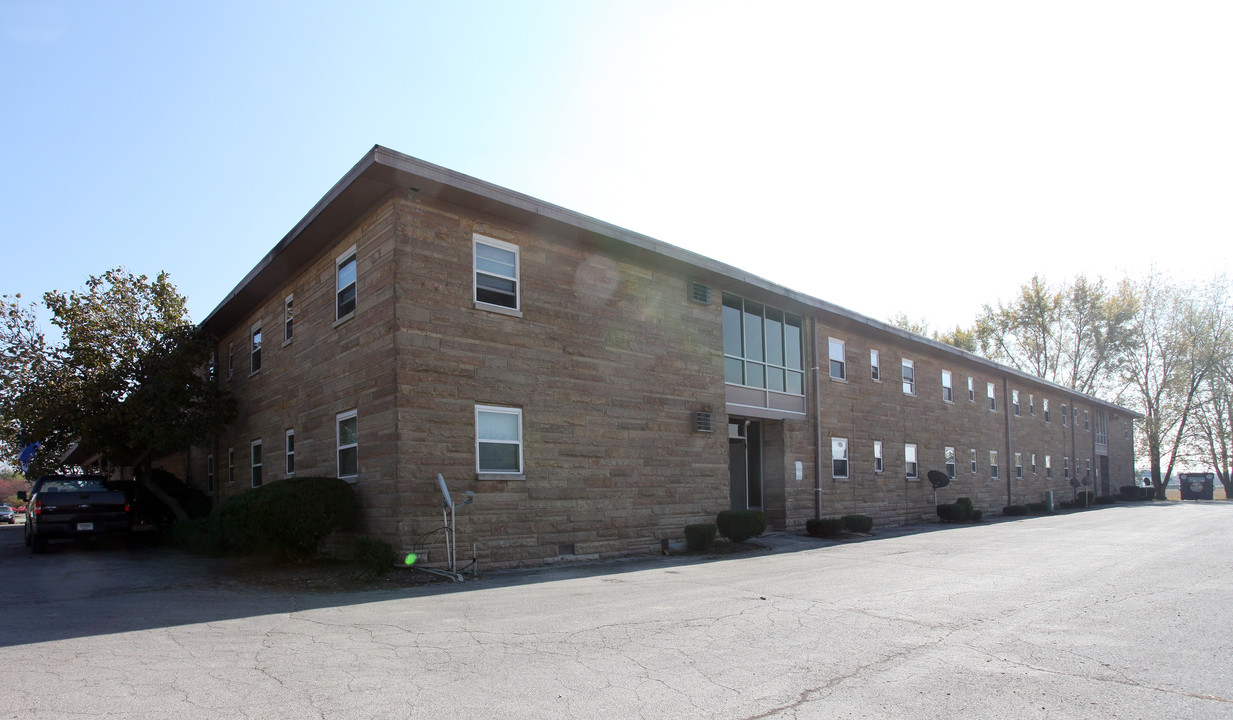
(1010, 456)
(817, 422)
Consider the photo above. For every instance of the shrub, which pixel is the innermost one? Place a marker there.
(1106, 500)
(1085, 499)
(1132, 492)
(374, 557)
(824, 527)
(1015, 510)
(858, 523)
(965, 501)
(954, 512)
(294, 516)
(1037, 508)
(977, 515)
(740, 525)
(699, 537)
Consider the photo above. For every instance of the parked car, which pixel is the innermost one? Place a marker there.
(74, 506)
(7, 515)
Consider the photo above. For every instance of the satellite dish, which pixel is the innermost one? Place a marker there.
(445, 491)
(938, 479)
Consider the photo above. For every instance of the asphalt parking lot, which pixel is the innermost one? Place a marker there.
(1116, 612)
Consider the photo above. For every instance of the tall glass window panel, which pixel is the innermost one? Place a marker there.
(345, 290)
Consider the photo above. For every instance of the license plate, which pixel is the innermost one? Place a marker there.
(81, 527)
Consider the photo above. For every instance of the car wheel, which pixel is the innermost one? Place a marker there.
(27, 534)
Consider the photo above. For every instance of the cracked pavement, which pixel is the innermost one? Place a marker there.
(1110, 613)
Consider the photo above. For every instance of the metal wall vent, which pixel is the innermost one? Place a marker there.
(700, 293)
(704, 421)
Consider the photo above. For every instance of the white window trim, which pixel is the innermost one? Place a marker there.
(254, 348)
(912, 473)
(477, 239)
(948, 390)
(993, 464)
(879, 465)
(289, 451)
(521, 448)
(875, 368)
(289, 319)
(1018, 465)
(842, 359)
(1044, 406)
(339, 261)
(975, 470)
(339, 447)
(1014, 402)
(847, 459)
(971, 389)
(904, 364)
(951, 460)
(991, 392)
(254, 467)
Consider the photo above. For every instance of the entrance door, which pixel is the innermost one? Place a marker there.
(745, 464)
(1104, 475)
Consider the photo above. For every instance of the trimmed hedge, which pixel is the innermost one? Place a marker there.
(374, 557)
(824, 527)
(291, 517)
(699, 537)
(960, 511)
(740, 525)
(857, 523)
(1015, 510)
(1085, 499)
(1038, 508)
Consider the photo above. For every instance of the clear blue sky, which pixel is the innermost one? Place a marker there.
(894, 156)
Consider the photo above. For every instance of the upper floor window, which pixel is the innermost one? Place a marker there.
(1102, 428)
(498, 439)
(255, 349)
(839, 458)
(1065, 415)
(948, 393)
(255, 449)
(496, 272)
(230, 359)
(971, 389)
(875, 372)
(1087, 420)
(909, 460)
(993, 401)
(1031, 404)
(839, 363)
(344, 285)
(1044, 406)
(762, 346)
(909, 377)
(288, 312)
(1014, 402)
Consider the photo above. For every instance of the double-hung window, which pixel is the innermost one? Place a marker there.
(993, 401)
(255, 464)
(347, 442)
(344, 285)
(909, 460)
(1087, 420)
(950, 462)
(877, 456)
(909, 377)
(1031, 404)
(839, 458)
(993, 464)
(1044, 405)
(1014, 402)
(948, 392)
(839, 363)
(496, 273)
(254, 352)
(973, 461)
(971, 389)
(1018, 465)
(288, 313)
(875, 372)
(289, 449)
(498, 439)
(1049, 466)
(1065, 415)
(1033, 463)
(1066, 467)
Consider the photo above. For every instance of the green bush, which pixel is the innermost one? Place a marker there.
(374, 557)
(1014, 510)
(824, 527)
(858, 523)
(955, 512)
(1106, 500)
(699, 537)
(977, 515)
(1037, 508)
(740, 525)
(1085, 499)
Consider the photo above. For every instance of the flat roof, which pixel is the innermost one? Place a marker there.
(383, 171)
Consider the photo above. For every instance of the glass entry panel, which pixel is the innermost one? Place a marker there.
(745, 464)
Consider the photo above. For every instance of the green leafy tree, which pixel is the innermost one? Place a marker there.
(130, 380)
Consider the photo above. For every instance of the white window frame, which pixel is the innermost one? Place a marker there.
(1044, 406)
(907, 370)
(1065, 415)
(974, 470)
(971, 389)
(497, 409)
(949, 459)
(839, 454)
(255, 463)
(1018, 465)
(993, 464)
(1065, 467)
(256, 339)
(289, 451)
(911, 464)
(878, 466)
(1034, 464)
(1049, 467)
(1014, 402)
(1031, 404)
(948, 392)
(838, 364)
(288, 319)
(339, 447)
(516, 278)
(350, 256)
(993, 397)
(875, 369)
(1087, 420)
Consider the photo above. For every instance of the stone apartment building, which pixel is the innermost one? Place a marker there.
(597, 389)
